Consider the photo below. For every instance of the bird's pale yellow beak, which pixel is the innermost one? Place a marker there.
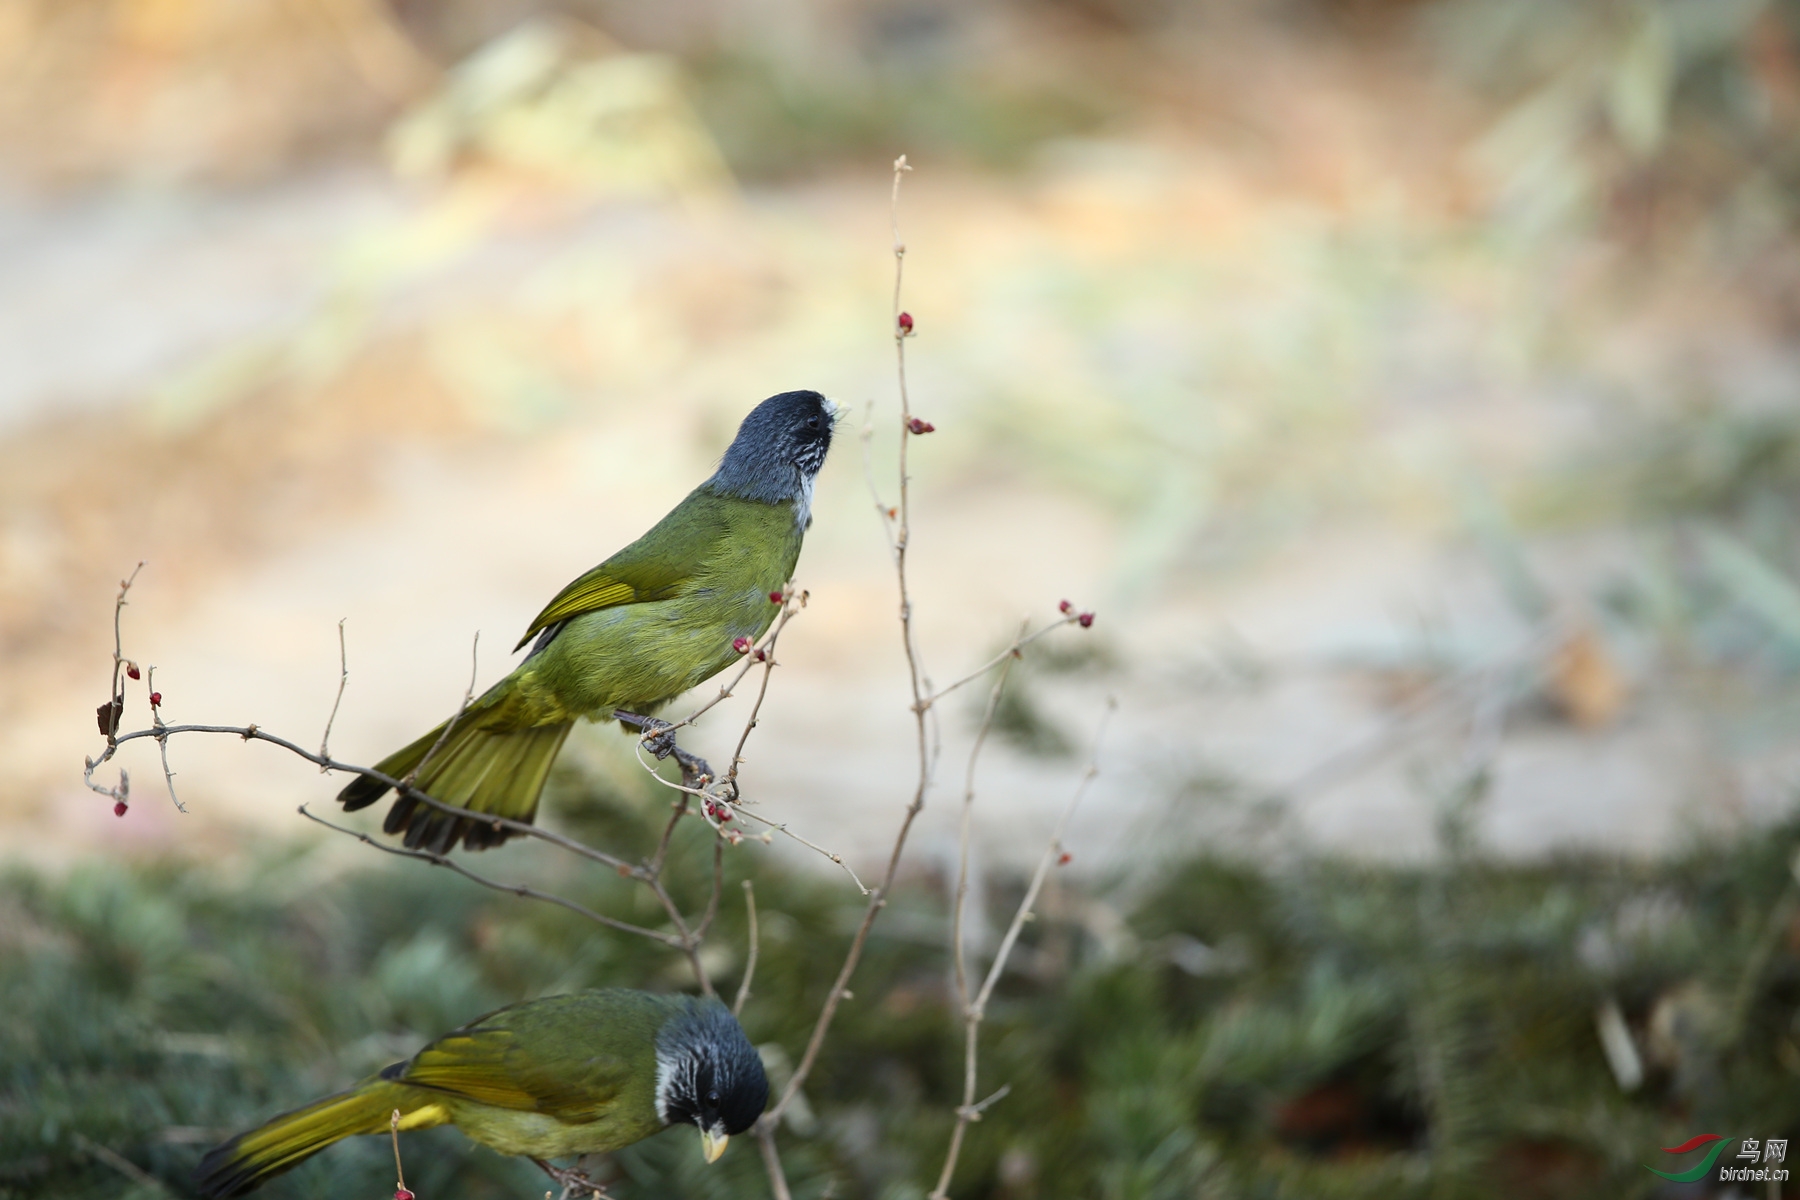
(712, 1144)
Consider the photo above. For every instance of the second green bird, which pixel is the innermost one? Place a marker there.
(652, 621)
(566, 1075)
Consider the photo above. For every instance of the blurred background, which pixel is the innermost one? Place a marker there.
(1410, 385)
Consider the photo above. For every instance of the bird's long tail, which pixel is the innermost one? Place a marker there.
(251, 1159)
(481, 766)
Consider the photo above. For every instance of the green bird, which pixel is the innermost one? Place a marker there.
(566, 1075)
(652, 621)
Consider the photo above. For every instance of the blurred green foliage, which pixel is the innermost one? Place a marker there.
(1214, 1028)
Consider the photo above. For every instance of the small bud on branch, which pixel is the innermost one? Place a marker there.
(119, 807)
(918, 426)
(741, 645)
(131, 669)
(906, 324)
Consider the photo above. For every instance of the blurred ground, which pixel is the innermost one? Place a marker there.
(1408, 422)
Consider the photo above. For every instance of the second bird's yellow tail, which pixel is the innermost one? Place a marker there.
(250, 1159)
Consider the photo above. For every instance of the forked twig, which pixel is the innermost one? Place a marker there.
(975, 1011)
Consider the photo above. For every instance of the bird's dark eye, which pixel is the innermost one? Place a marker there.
(812, 422)
(712, 1097)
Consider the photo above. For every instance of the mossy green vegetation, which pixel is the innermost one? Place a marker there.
(1321, 1029)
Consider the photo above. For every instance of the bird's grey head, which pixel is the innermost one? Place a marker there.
(709, 1075)
(778, 449)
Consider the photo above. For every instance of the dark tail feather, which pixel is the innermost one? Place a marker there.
(492, 771)
(251, 1159)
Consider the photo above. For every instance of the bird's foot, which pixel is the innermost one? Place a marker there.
(658, 737)
(573, 1180)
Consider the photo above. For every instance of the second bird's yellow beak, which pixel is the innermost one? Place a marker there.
(712, 1145)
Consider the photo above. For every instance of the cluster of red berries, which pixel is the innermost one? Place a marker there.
(717, 811)
(1085, 620)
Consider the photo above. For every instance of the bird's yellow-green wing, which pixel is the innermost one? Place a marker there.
(655, 567)
(497, 1066)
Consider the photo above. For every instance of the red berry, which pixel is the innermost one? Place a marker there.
(1086, 620)
(741, 645)
(918, 426)
(1064, 859)
(119, 808)
(402, 1194)
(1064, 608)
(131, 669)
(906, 323)
(155, 699)
(777, 598)
(762, 656)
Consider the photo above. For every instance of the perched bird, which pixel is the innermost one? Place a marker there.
(647, 624)
(565, 1075)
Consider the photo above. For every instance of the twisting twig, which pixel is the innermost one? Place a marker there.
(117, 691)
(743, 991)
(113, 710)
(974, 1011)
(343, 678)
(450, 725)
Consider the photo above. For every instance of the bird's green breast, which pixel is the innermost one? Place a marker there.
(639, 656)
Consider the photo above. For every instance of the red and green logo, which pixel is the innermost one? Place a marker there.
(1718, 1141)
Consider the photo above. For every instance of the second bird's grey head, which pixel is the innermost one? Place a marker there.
(778, 449)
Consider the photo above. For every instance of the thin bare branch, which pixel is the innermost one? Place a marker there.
(343, 678)
(119, 662)
(877, 898)
(718, 885)
(121, 1164)
(958, 939)
(743, 991)
(450, 725)
(393, 1128)
(782, 828)
(765, 1139)
(766, 654)
(517, 889)
(1005, 656)
(162, 742)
